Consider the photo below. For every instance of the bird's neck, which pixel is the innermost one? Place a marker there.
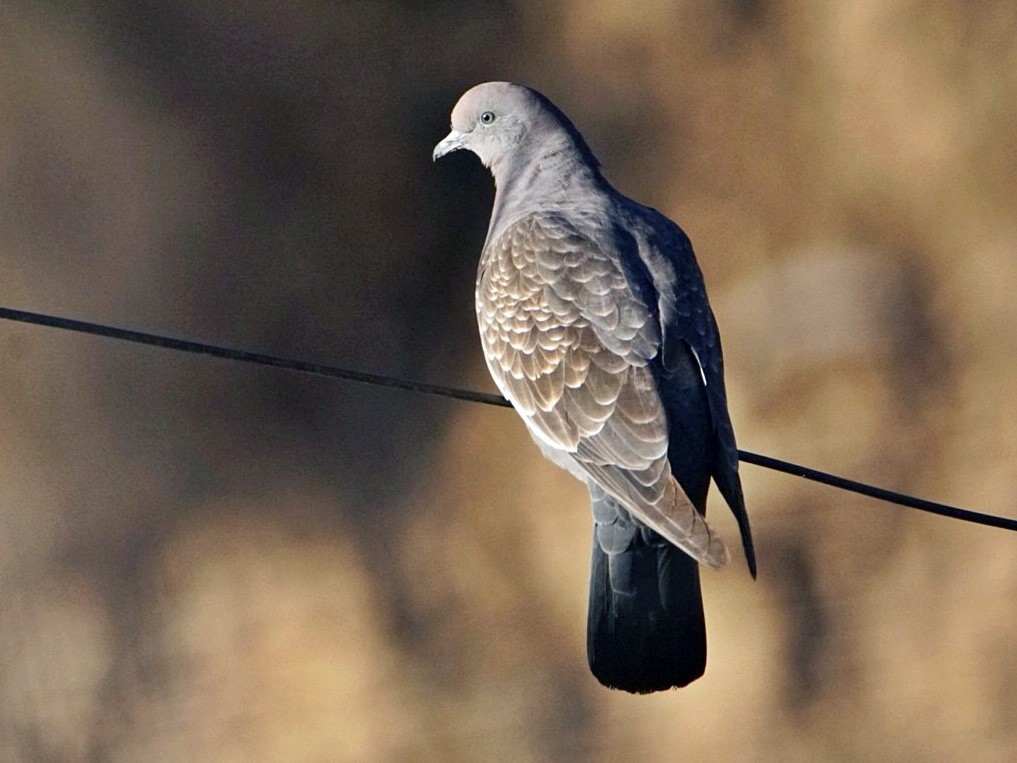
(559, 177)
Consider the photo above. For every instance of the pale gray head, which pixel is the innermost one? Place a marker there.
(517, 131)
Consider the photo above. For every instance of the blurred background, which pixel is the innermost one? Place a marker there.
(208, 561)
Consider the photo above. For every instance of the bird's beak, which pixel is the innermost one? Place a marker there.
(452, 142)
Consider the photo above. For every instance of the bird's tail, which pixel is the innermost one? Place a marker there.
(646, 630)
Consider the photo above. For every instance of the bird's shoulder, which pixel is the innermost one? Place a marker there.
(557, 267)
(562, 228)
(570, 252)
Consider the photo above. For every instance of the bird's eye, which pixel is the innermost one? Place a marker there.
(487, 117)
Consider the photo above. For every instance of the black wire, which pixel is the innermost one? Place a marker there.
(966, 515)
(200, 348)
(334, 372)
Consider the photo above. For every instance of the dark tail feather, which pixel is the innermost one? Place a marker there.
(646, 631)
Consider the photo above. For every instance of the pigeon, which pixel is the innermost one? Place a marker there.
(595, 325)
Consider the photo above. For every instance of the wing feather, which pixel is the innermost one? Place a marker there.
(569, 343)
(686, 319)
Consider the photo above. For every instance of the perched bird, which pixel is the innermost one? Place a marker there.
(595, 325)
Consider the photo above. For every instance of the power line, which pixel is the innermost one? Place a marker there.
(200, 348)
(380, 380)
(805, 472)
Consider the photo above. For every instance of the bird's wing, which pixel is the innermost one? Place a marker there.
(686, 321)
(569, 342)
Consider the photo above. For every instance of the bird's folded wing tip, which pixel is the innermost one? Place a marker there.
(717, 555)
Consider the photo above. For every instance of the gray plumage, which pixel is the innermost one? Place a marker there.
(595, 324)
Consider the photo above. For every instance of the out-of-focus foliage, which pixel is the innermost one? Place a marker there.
(205, 561)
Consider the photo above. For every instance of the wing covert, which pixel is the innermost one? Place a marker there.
(569, 342)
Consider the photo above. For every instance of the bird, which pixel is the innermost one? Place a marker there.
(595, 325)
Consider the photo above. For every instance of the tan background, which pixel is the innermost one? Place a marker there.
(206, 561)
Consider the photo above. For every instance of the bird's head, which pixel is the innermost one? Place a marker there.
(507, 124)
